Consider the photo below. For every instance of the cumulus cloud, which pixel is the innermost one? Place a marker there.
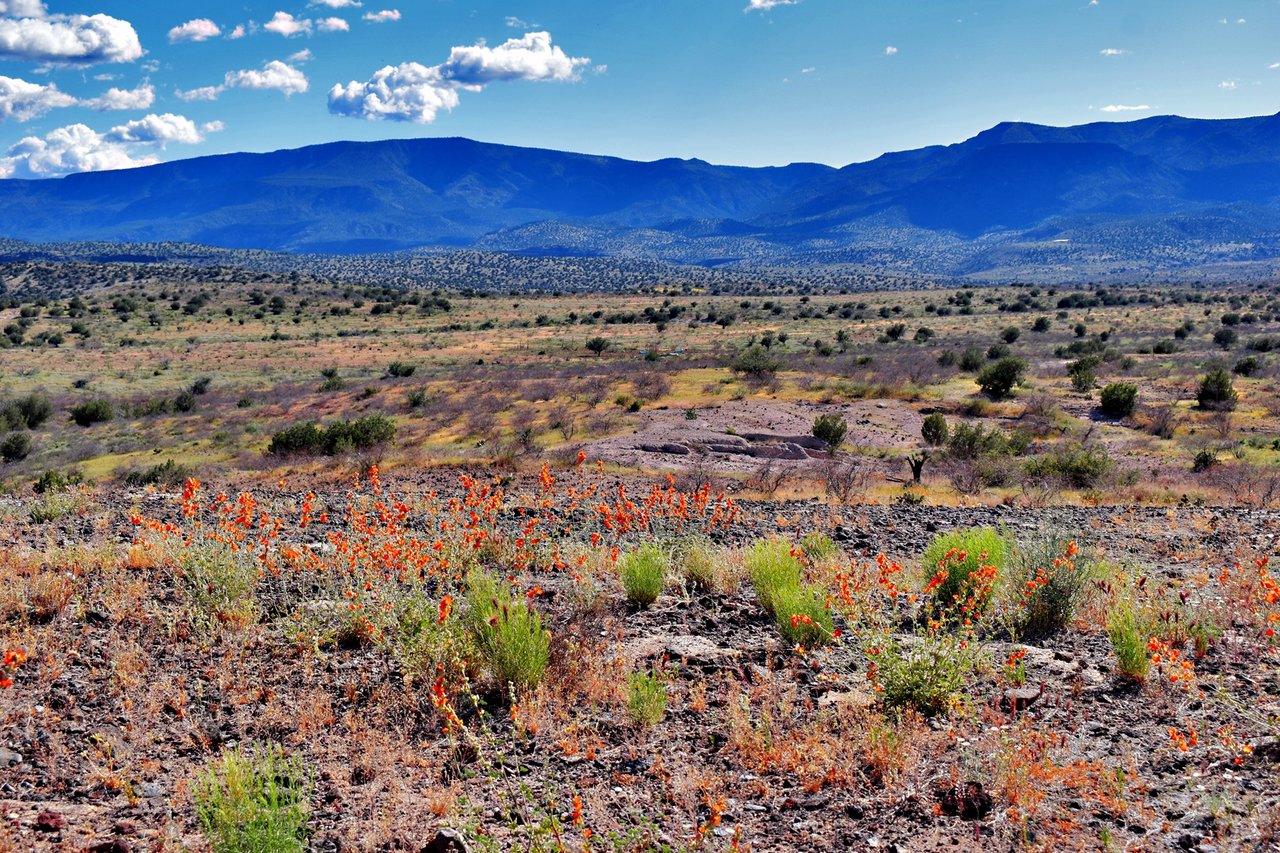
(237, 33)
(69, 40)
(332, 25)
(518, 23)
(335, 4)
(766, 5)
(212, 127)
(123, 99)
(197, 29)
(274, 75)
(23, 101)
(80, 148)
(1125, 108)
(204, 93)
(417, 93)
(383, 17)
(287, 25)
(23, 8)
(890, 51)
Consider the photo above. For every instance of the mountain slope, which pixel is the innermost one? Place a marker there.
(1157, 193)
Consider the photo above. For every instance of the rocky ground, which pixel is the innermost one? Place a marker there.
(117, 712)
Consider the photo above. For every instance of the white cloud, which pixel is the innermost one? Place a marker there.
(274, 75)
(304, 55)
(332, 25)
(79, 148)
(237, 33)
(336, 4)
(417, 93)
(1124, 108)
(532, 57)
(23, 101)
(383, 17)
(287, 25)
(890, 51)
(204, 93)
(408, 92)
(157, 130)
(123, 99)
(1273, 66)
(766, 5)
(212, 127)
(1112, 51)
(1227, 85)
(23, 8)
(518, 24)
(197, 29)
(69, 40)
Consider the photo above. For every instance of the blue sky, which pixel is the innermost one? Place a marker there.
(87, 84)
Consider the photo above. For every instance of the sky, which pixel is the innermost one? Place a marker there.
(106, 84)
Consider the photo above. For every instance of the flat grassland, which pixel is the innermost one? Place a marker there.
(295, 564)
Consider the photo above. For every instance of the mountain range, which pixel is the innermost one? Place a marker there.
(1157, 194)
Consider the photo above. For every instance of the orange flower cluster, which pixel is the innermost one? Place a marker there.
(1166, 657)
(1182, 742)
(13, 658)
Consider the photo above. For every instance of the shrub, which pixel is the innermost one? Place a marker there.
(401, 370)
(26, 412)
(598, 345)
(1011, 334)
(772, 568)
(831, 430)
(167, 473)
(971, 359)
(184, 402)
(1080, 466)
(1048, 578)
(15, 446)
(56, 481)
(508, 634)
(644, 573)
(339, 437)
(756, 361)
(219, 583)
(1119, 400)
(1083, 373)
(253, 803)
(935, 430)
(1216, 391)
(1226, 338)
(927, 676)
(998, 380)
(962, 565)
(818, 546)
(647, 697)
(802, 617)
(1247, 366)
(92, 412)
(1128, 635)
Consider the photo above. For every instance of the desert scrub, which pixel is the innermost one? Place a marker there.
(647, 697)
(707, 568)
(1048, 580)
(52, 506)
(802, 616)
(219, 584)
(962, 566)
(644, 572)
(508, 634)
(773, 569)
(927, 675)
(253, 803)
(818, 546)
(1127, 632)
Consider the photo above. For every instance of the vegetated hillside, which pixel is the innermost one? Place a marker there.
(1132, 200)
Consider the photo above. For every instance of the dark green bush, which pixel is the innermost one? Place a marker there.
(167, 473)
(997, 381)
(831, 430)
(1216, 391)
(1080, 466)
(1119, 399)
(934, 431)
(92, 412)
(15, 446)
(339, 437)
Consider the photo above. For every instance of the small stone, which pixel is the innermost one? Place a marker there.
(447, 841)
(9, 758)
(50, 822)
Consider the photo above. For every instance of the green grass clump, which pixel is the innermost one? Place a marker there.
(219, 584)
(253, 804)
(970, 549)
(799, 609)
(928, 676)
(1128, 635)
(647, 697)
(1049, 582)
(818, 546)
(508, 633)
(772, 570)
(644, 572)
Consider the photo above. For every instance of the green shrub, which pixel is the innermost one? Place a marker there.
(253, 804)
(92, 412)
(508, 634)
(1048, 578)
(971, 360)
(1079, 466)
(1083, 373)
(802, 617)
(26, 412)
(928, 676)
(57, 481)
(401, 370)
(756, 361)
(953, 565)
(167, 473)
(184, 402)
(1216, 391)
(997, 381)
(831, 430)
(818, 546)
(934, 431)
(15, 446)
(647, 697)
(644, 573)
(772, 569)
(1247, 366)
(1119, 400)
(219, 584)
(1128, 635)
(339, 437)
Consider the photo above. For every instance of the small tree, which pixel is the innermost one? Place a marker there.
(92, 412)
(598, 345)
(1119, 399)
(997, 381)
(831, 430)
(1216, 391)
(935, 430)
(1083, 373)
(1226, 338)
(757, 362)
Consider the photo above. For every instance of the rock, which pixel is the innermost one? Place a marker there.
(1018, 699)
(151, 790)
(116, 845)
(48, 821)
(447, 841)
(9, 758)
(971, 803)
(847, 699)
(700, 650)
